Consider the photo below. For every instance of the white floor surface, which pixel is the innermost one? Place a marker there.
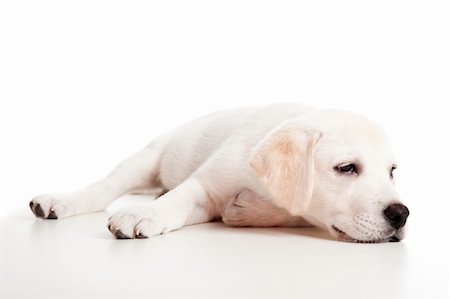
(78, 257)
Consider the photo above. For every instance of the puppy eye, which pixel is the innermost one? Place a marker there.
(346, 168)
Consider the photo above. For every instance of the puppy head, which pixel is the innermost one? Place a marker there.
(335, 169)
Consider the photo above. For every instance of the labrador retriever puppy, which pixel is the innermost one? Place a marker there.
(278, 165)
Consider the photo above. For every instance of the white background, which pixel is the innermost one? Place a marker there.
(85, 84)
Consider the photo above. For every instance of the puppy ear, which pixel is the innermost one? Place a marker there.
(284, 163)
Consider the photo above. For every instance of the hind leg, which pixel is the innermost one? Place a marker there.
(140, 171)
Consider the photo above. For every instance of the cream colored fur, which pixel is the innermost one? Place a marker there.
(254, 166)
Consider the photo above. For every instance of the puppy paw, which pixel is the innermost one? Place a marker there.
(240, 209)
(137, 222)
(51, 206)
(249, 209)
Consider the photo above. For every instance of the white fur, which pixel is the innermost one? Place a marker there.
(264, 166)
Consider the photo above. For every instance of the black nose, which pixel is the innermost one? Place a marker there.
(396, 215)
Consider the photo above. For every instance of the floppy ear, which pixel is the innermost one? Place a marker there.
(284, 162)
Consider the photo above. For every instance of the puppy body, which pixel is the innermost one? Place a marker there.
(216, 150)
(263, 166)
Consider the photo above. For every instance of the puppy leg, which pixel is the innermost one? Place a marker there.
(250, 209)
(136, 172)
(187, 204)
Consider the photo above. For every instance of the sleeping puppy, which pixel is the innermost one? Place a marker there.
(278, 165)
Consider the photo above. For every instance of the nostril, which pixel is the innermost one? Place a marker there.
(396, 214)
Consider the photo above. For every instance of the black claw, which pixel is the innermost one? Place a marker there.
(109, 227)
(140, 236)
(394, 239)
(38, 210)
(119, 235)
(52, 215)
(32, 206)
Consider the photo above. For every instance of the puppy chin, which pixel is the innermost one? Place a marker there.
(392, 236)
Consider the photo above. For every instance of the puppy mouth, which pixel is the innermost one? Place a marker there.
(343, 236)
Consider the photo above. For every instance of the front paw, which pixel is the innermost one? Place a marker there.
(50, 206)
(137, 222)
